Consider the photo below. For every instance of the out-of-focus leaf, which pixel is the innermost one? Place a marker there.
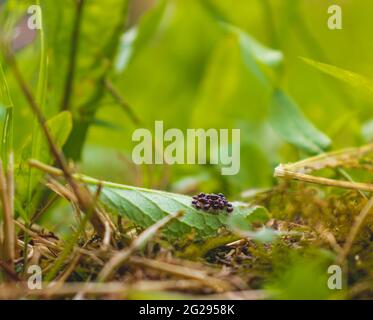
(257, 214)
(106, 124)
(93, 57)
(349, 77)
(5, 99)
(243, 225)
(290, 123)
(60, 127)
(367, 130)
(250, 46)
(254, 54)
(138, 36)
(303, 278)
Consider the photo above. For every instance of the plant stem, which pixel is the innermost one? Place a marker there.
(65, 105)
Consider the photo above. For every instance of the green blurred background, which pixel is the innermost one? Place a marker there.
(189, 72)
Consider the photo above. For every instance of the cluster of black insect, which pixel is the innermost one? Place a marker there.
(211, 202)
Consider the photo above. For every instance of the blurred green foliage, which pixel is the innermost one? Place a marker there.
(187, 70)
(195, 64)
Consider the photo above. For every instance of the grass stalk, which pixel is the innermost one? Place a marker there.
(74, 47)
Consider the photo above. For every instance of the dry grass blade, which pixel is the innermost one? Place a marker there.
(328, 237)
(330, 159)
(7, 195)
(39, 239)
(121, 256)
(300, 170)
(182, 271)
(117, 289)
(283, 172)
(60, 282)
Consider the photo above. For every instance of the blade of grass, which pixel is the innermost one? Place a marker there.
(353, 79)
(35, 144)
(7, 135)
(6, 181)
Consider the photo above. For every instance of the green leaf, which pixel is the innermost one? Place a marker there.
(60, 128)
(134, 40)
(265, 235)
(257, 214)
(243, 225)
(367, 130)
(353, 79)
(6, 102)
(290, 123)
(144, 207)
(254, 49)
(254, 54)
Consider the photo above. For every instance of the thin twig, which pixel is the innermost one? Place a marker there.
(37, 237)
(328, 237)
(120, 257)
(39, 213)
